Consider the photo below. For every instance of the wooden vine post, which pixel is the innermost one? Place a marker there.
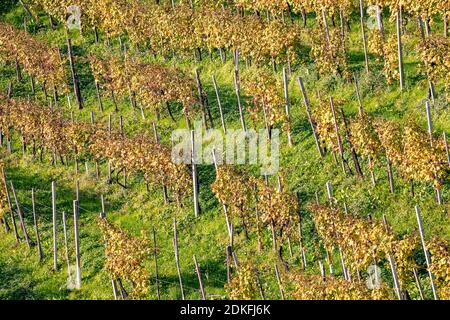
(395, 277)
(203, 101)
(280, 284)
(20, 214)
(344, 268)
(97, 169)
(115, 290)
(342, 25)
(225, 210)
(18, 70)
(322, 270)
(124, 184)
(229, 253)
(390, 175)
(194, 175)
(445, 25)
(76, 210)
(425, 251)
(96, 37)
(197, 270)
(32, 85)
(327, 30)
(399, 48)
(235, 260)
(258, 227)
(380, 21)
(54, 220)
(10, 90)
(103, 212)
(311, 121)
(155, 256)
(123, 292)
(300, 235)
(429, 122)
(177, 257)
(352, 149)
(418, 284)
(430, 133)
(363, 33)
(10, 207)
(259, 284)
(231, 235)
(287, 109)
(155, 132)
(238, 90)
(358, 96)
(36, 226)
(76, 83)
(109, 123)
(339, 140)
(331, 200)
(77, 190)
(164, 187)
(446, 148)
(397, 286)
(66, 246)
(219, 104)
(109, 172)
(27, 10)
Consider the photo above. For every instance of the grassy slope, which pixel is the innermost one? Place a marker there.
(23, 277)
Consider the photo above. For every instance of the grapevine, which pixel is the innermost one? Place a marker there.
(38, 59)
(50, 130)
(440, 265)
(125, 256)
(3, 200)
(243, 285)
(314, 287)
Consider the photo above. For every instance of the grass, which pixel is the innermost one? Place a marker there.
(22, 276)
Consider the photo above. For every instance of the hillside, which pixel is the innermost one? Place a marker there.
(71, 143)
